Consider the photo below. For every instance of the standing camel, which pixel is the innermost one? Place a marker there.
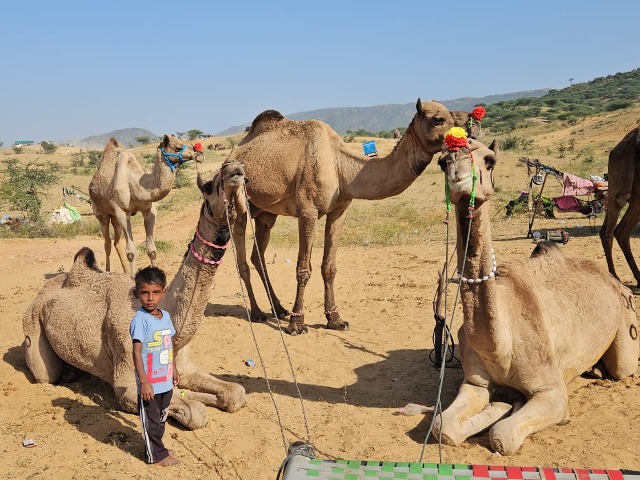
(120, 188)
(529, 327)
(303, 169)
(82, 318)
(624, 188)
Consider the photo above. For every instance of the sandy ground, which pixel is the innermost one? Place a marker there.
(351, 383)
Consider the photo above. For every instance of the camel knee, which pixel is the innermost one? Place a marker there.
(329, 273)
(42, 361)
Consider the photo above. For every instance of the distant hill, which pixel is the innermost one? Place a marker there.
(388, 117)
(125, 136)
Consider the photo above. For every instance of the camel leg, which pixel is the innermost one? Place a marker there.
(149, 221)
(622, 233)
(333, 227)
(543, 409)
(228, 396)
(125, 224)
(264, 223)
(190, 413)
(455, 425)
(608, 226)
(42, 360)
(306, 229)
(239, 234)
(104, 228)
(118, 235)
(621, 358)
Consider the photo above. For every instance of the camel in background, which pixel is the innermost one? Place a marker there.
(530, 327)
(121, 188)
(303, 169)
(624, 188)
(82, 318)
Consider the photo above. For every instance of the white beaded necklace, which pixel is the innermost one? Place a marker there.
(486, 277)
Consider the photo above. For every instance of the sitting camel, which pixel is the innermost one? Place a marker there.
(120, 188)
(82, 318)
(530, 327)
(624, 188)
(304, 169)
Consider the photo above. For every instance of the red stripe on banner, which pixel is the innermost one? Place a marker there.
(615, 474)
(514, 473)
(549, 474)
(499, 468)
(582, 474)
(480, 471)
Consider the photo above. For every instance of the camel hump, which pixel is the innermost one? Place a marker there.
(548, 249)
(266, 120)
(83, 262)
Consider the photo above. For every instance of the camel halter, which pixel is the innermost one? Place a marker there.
(209, 244)
(412, 129)
(173, 165)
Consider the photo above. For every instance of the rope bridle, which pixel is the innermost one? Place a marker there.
(166, 155)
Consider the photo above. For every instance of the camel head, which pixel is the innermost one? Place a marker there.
(468, 167)
(429, 125)
(175, 152)
(225, 193)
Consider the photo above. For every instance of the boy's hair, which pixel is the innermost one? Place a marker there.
(151, 275)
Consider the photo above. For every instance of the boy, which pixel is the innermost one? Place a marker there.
(151, 331)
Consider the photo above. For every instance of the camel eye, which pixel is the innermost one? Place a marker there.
(438, 120)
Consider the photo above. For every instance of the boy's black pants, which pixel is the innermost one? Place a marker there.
(153, 416)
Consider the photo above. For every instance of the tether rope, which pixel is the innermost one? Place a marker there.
(438, 406)
(255, 340)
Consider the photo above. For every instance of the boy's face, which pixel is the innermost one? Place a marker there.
(150, 295)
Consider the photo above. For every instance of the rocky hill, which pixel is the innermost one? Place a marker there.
(388, 117)
(126, 137)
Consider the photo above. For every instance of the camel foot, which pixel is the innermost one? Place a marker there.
(334, 322)
(296, 325)
(168, 461)
(281, 312)
(233, 400)
(257, 316)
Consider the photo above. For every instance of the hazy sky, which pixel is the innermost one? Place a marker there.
(71, 69)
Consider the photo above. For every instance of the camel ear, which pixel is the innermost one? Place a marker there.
(419, 105)
(165, 140)
(205, 187)
(494, 146)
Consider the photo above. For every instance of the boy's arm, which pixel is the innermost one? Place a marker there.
(146, 390)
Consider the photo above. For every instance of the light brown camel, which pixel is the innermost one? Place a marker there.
(530, 327)
(624, 188)
(303, 169)
(82, 318)
(120, 188)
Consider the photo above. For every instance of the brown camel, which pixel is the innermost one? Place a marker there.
(530, 327)
(624, 188)
(470, 121)
(82, 318)
(303, 169)
(120, 188)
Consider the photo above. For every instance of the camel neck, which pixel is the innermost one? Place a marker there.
(479, 299)
(383, 177)
(188, 294)
(154, 186)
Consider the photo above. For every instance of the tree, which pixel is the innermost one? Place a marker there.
(193, 134)
(25, 184)
(48, 147)
(1, 144)
(143, 139)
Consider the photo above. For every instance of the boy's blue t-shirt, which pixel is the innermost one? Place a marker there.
(157, 349)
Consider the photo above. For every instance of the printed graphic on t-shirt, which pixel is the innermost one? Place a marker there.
(160, 349)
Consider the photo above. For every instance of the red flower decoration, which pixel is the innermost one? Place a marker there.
(197, 147)
(456, 138)
(478, 113)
